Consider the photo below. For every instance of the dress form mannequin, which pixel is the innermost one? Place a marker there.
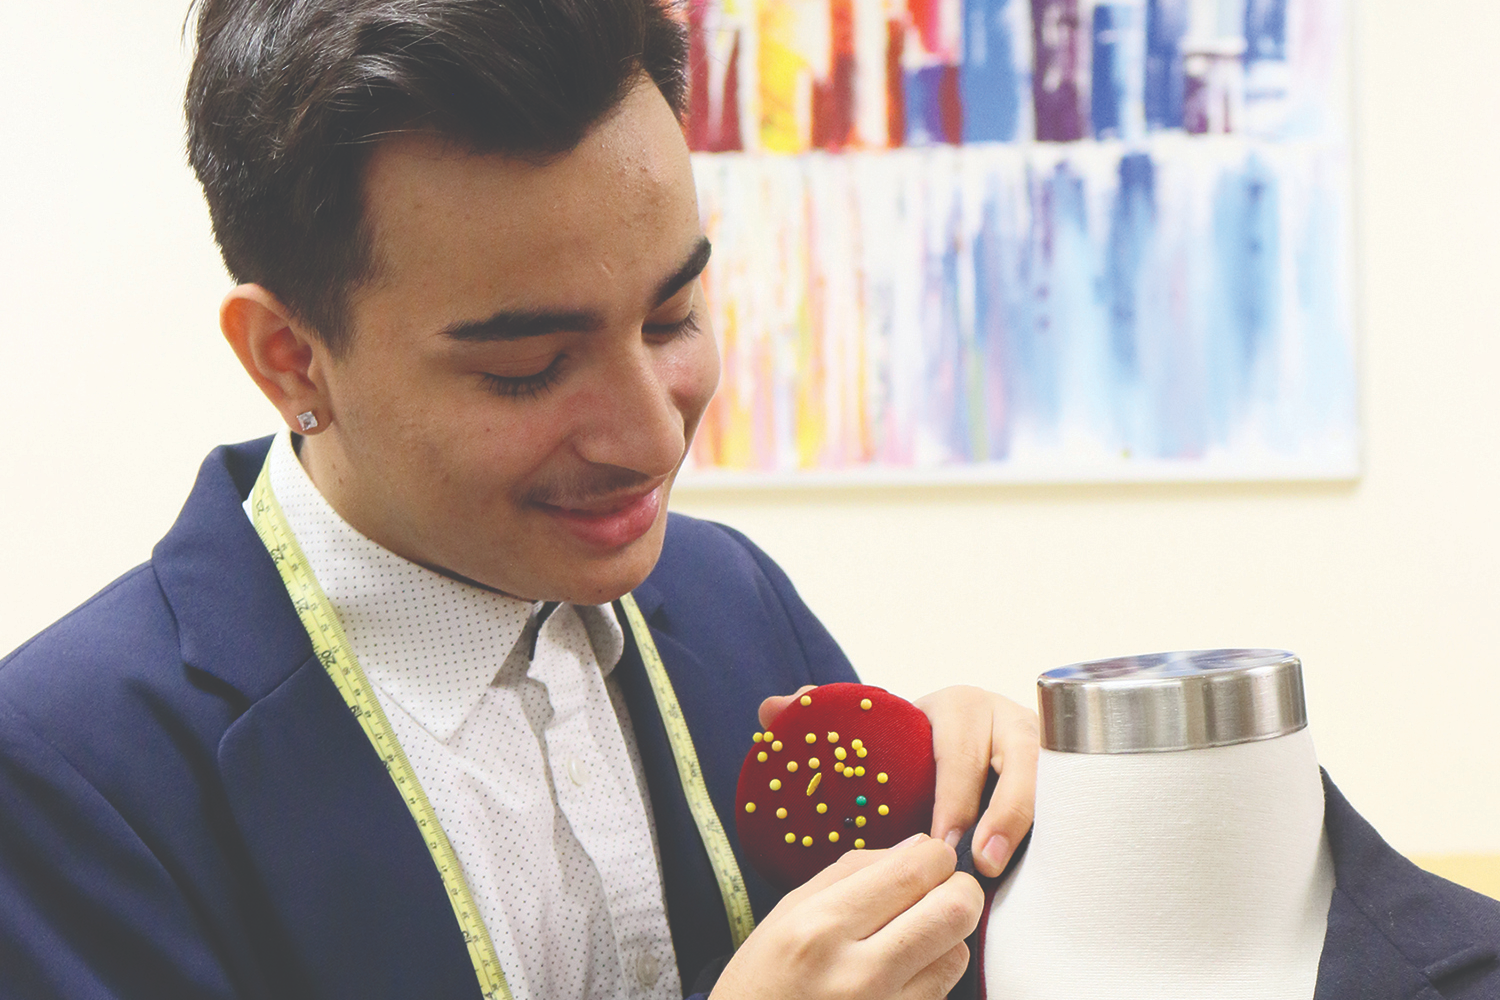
(1178, 851)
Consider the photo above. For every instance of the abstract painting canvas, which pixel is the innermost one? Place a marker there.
(1025, 240)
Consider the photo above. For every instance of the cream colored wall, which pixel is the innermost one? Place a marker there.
(116, 384)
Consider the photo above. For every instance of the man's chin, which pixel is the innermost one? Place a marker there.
(628, 570)
(579, 574)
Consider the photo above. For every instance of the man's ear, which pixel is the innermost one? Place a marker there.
(280, 354)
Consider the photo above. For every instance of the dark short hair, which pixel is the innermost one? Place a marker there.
(287, 98)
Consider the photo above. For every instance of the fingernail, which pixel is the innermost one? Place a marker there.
(954, 836)
(910, 840)
(996, 850)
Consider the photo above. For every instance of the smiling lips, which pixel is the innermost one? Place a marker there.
(612, 524)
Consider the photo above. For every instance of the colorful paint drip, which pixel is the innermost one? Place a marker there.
(1059, 240)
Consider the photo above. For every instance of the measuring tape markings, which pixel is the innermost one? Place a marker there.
(332, 649)
(694, 788)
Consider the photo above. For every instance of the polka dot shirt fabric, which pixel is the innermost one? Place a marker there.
(523, 748)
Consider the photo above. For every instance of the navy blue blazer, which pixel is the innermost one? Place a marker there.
(187, 808)
(1395, 932)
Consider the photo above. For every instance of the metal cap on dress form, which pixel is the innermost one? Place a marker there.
(1172, 701)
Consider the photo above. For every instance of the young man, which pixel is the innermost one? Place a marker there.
(468, 247)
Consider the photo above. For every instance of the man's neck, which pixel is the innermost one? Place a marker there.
(313, 455)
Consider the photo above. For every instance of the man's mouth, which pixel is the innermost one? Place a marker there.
(611, 522)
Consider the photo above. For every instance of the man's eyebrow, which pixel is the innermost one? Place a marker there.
(522, 323)
(690, 269)
(518, 324)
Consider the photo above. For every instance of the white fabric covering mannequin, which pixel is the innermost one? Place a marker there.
(1178, 875)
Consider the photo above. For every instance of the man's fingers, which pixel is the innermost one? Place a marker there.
(961, 734)
(1013, 804)
(771, 707)
(980, 731)
(847, 864)
(927, 932)
(873, 924)
(869, 899)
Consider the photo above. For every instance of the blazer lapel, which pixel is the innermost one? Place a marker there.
(1395, 931)
(700, 929)
(234, 619)
(1359, 963)
(358, 903)
(340, 882)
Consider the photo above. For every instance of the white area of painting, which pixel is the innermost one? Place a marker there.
(117, 384)
(953, 314)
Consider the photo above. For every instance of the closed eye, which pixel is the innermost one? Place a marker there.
(685, 327)
(525, 386)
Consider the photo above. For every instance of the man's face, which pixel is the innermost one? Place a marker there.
(529, 366)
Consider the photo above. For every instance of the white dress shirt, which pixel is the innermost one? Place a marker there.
(523, 748)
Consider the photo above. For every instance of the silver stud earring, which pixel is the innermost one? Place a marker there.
(307, 421)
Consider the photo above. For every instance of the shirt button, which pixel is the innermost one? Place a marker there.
(578, 771)
(647, 970)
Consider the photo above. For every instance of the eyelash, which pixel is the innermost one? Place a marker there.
(685, 327)
(526, 386)
(532, 386)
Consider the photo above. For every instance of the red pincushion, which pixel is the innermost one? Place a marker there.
(897, 741)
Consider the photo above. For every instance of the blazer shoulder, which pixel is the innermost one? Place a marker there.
(120, 672)
(698, 553)
(111, 673)
(712, 585)
(131, 633)
(126, 629)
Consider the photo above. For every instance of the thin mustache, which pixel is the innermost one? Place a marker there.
(598, 483)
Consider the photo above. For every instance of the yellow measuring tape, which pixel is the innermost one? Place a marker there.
(332, 648)
(720, 855)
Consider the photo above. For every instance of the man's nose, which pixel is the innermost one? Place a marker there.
(635, 422)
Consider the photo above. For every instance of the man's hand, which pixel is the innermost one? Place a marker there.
(872, 925)
(974, 731)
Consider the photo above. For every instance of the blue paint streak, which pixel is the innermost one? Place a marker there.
(1265, 30)
(1245, 308)
(1107, 102)
(1327, 359)
(949, 359)
(965, 435)
(1166, 24)
(924, 110)
(1132, 225)
(1059, 232)
(999, 298)
(987, 78)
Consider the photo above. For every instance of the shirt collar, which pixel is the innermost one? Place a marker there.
(605, 634)
(432, 643)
